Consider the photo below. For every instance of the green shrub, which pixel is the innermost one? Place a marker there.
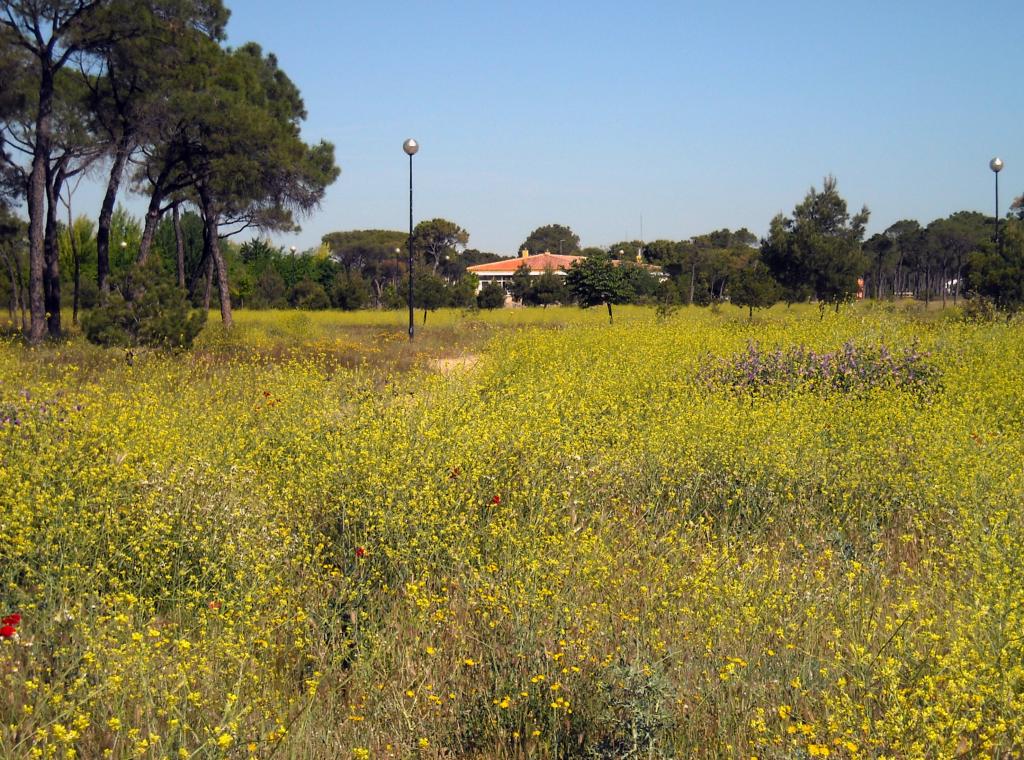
(309, 295)
(350, 291)
(156, 314)
(491, 296)
(979, 309)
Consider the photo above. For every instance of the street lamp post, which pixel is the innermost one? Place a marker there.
(410, 147)
(996, 165)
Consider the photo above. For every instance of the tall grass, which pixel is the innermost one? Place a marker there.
(310, 539)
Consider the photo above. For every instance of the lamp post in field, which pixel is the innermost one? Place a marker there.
(410, 147)
(996, 165)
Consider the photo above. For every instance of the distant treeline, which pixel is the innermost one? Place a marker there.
(816, 254)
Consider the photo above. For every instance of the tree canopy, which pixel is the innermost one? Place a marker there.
(997, 272)
(817, 251)
(553, 238)
(754, 287)
(438, 239)
(596, 280)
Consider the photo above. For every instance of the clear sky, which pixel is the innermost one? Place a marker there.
(690, 116)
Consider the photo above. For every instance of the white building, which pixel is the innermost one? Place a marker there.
(501, 272)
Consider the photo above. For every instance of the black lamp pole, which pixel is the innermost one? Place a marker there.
(410, 146)
(996, 165)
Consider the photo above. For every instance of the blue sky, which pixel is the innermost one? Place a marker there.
(691, 116)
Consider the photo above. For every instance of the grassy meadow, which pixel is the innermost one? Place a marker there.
(527, 534)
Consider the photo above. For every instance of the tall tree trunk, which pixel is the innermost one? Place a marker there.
(224, 291)
(15, 303)
(121, 153)
(943, 286)
(179, 245)
(212, 240)
(609, 305)
(51, 249)
(196, 275)
(37, 203)
(693, 276)
(153, 215)
(77, 258)
(207, 283)
(21, 289)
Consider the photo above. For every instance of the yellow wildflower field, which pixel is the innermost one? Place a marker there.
(689, 535)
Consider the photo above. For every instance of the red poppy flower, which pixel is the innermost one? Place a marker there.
(496, 499)
(360, 552)
(7, 631)
(14, 619)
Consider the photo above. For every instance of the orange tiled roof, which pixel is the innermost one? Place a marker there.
(537, 263)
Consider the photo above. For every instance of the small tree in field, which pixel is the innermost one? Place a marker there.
(462, 292)
(596, 280)
(429, 291)
(522, 283)
(547, 289)
(755, 288)
(491, 296)
(817, 252)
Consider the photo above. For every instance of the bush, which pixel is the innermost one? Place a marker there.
(350, 291)
(269, 291)
(462, 293)
(668, 299)
(491, 296)
(159, 316)
(309, 295)
(979, 309)
(88, 292)
(851, 369)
